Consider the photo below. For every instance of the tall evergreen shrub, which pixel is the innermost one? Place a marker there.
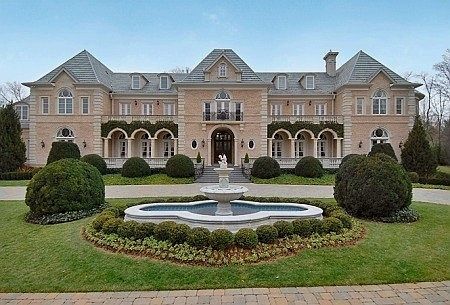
(12, 148)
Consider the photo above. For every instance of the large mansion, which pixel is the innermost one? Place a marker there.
(221, 106)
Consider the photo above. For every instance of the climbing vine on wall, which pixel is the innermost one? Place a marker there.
(152, 128)
(293, 128)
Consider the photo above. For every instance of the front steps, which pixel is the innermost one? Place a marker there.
(210, 176)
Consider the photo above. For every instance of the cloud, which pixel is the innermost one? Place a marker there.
(212, 17)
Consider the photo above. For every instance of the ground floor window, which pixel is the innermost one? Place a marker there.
(300, 146)
(169, 149)
(322, 146)
(146, 147)
(277, 146)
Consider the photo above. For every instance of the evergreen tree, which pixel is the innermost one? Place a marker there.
(12, 148)
(417, 155)
(383, 148)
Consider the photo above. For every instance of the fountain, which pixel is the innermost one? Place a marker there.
(223, 210)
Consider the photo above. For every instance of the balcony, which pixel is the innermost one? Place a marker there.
(315, 119)
(327, 162)
(24, 124)
(140, 118)
(223, 116)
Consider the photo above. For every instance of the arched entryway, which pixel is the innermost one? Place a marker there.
(222, 141)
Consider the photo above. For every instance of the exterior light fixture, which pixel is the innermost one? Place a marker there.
(42, 144)
(135, 103)
(84, 144)
(203, 143)
(400, 145)
(309, 103)
(242, 143)
(360, 144)
(287, 103)
(157, 103)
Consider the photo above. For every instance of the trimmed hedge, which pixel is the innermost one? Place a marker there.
(180, 166)
(346, 158)
(413, 176)
(293, 128)
(383, 148)
(221, 239)
(309, 167)
(135, 167)
(96, 161)
(265, 168)
(25, 175)
(63, 150)
(267, 234)
(64, 186)
(284, 228)
(246, 238)
(199, 237)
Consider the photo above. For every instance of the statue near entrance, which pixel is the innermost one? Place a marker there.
(223, 161)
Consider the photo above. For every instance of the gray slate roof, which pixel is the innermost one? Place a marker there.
(324, 84)
(121, 83)
(196, 75)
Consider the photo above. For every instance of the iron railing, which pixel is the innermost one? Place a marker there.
(140, 118)
(316, 119)
(223, 116)
(156, 162)
(327, 162)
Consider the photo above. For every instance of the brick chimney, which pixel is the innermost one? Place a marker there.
(330, 63)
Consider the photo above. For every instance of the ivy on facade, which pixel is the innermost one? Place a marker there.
(152, 128)
(293, 128)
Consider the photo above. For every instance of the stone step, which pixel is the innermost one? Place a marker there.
(211, 176)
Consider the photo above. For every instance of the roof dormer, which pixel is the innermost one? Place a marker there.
(222, 69)
(165, 81)
(136, 81)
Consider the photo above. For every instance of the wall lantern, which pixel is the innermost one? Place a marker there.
(84, 144)
(203, 143)
(242, 143)
(42, 144)
(360, 144)
(309, 103)
(400, 145)
(135, 103)
(157, 103)
(287, 103)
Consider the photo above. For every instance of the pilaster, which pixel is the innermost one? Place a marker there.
(264, 121)
(181, 122)
(32, 131)
(347, 109)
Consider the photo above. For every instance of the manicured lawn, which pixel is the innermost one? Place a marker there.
(327, 179)
(56, 258)
(444, 169)
(14, 182)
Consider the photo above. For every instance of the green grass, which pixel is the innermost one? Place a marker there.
(444, 169)
(14, 182)
(117, 179)
(56, 258)
(327, 179)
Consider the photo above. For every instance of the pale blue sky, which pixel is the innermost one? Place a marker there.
(154, 36)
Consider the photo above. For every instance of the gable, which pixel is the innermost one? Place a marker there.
(232, 72)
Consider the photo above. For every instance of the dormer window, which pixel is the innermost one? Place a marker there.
(222, 70)
(135, 82)
(310, 82)
(164, 82)
(281, 82)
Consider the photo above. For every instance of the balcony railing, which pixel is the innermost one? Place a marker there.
(24, 124)
(140, 118)
(316, 119)
(156, 162)
(327, 162)
(223, 116)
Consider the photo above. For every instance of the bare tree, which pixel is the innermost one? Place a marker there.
(430, 86)
(408, 75)
(11, 92)
(180, 70)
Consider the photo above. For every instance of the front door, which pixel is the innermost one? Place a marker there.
(223, 144)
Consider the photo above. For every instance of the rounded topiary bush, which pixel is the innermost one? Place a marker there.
(383, 148)
(128, 229)
(179, 234)
(309, 167)
(180, 166)
(221, 239)
(164, 230)
(135, 167)
(111, 226)
(372, 187)
(98, 222)
(265, 168)
(344, 218)
(199, 237)
(143, 230)
(284, 228)
(413, 176)
(96, 161)
(302, 227)
(267, 234)
(332, 224)
(64, 186)
(246, 238)
(346, 158)
(63, 150)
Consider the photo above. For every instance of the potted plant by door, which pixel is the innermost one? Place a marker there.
(199, 162)
(246, 162)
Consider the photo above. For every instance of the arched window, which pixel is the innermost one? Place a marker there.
(65, 102)
(65, 135)
(277, 146)
(379, 102)
(146, 147)
(122, 146)
(300, 144)
(322, 145)
(168, 147)
(222, 95)
(223, 105)
(222, 70)
(379, 135)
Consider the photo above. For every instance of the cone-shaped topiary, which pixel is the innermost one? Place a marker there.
(417, 155)
(309, 167)
(346, 158)
(96, 161)
(265, 168)
(135, 167)
(63, 150)
(383, 148)
(12, 148)
(180, 166)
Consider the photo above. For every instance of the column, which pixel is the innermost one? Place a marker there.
(236, 152)
(208, 155)
(315, 148)
(129, 146)
(105, 148)
(338, 148)
(175, 146)
(152, 147)
(292, 148)
(269, 147)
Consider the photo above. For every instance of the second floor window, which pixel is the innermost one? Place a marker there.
(359, 105)
(399, 105)
(379, 102)
(135, 82)
(321, 109)
(85, 105)
(275, 109)
(124, 109)
(164, 82)
(44, 105)
(147, 109)
(298, 109)
(223, 70)
(169, 109)
(22, 111)
(65, 102)
(282, 82)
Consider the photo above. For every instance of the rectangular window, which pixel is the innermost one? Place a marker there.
(238, 111)
(84, 105)
(22, 111)
(379, 106)
(399, 105)
(44, 105)
(298, 109)
(310, 82)
(164, 82)
(299, 149)
(124, 109)
(275, 109)
(207, 111)
(282, 82)
(321, 109)
(135, 82)
(65, 105)
(147, 109)
(169, 109)
(359, 105)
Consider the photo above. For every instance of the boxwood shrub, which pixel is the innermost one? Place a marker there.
(164, 230)
(265, 168)
(267, 234)
(199, 237)
(221, 239)
(246, 238)
(332, 224)
(383, 148)
(303, 227)
(284, 228)
(309, 167)
(96, 161)
(111, 226)
(127, 229)
(63, 150)
(135, 167)
(180, 166)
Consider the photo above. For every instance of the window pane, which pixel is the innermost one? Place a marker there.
(135, 80)
(399, 106)
(61, 106)
(164, 82)
(69, 105)
(85, 105)
(383, 106)
(376, 106)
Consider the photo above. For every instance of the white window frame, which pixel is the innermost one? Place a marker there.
(280, 83)
(222, 73)
(169, 108)
(380, 99)
(149, 107)
(21, 112)
(145, 147)
(83, 99)
(359, 99)
(274, 107)
(47, 99)
(384, 138)
(300, 146)
(160, 82)
(62, 138)
(296, 107)
(133, 78)
(402, 105)
(65, 100)
(254, 144)
(127, 107)
(313, 82)
(324, 108)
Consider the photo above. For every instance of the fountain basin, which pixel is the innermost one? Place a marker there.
(246, 214)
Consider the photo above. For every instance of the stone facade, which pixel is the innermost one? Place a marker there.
(222, 106)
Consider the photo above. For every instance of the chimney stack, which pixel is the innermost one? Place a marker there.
(330, 63)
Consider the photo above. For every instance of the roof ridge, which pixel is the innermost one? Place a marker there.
(353, 68)
(90, 62)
